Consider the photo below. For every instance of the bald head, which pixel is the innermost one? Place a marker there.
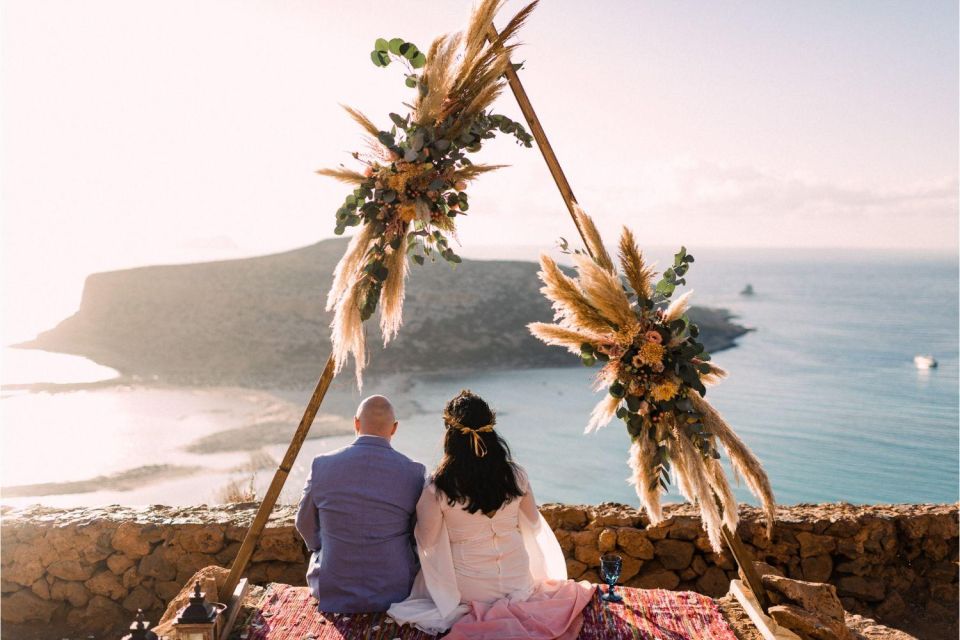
(375, 417)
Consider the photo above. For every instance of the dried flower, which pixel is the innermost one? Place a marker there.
(407, 211)
(664, 391)
(653, 336)
(650, 353)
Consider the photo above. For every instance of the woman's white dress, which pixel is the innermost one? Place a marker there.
(496, 575)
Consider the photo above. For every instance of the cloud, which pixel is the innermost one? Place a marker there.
(742, 205)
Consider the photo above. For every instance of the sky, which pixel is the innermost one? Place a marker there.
(138, 132)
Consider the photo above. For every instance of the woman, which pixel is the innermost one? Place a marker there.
(490, 565)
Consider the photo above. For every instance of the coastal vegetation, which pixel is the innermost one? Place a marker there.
(260, 322)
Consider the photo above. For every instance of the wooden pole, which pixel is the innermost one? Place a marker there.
(253, 534)
(279, 478)
(740, 553)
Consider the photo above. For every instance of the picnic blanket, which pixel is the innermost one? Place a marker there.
(284, 612)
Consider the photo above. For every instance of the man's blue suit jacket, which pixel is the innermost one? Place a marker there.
(356, 517)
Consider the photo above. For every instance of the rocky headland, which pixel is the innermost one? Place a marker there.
(260, 322)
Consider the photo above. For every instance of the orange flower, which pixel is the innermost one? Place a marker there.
(407, 211)
(665, 390)
(650, 354)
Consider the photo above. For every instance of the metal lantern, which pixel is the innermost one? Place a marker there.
(199, 620)
(139, 629)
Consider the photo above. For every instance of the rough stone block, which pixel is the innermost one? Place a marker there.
(809, 624)
(140, 598)
(106, 584)
(607, 541)
(866, 589)
(70, 570)
(26, 606)
(101, 614)
(159, 564)
(635, 543)
(590, 556)
(73, 592)
(129, 539)
(812, 596)
(673, 554)
(817, 568)
(814, 545)
(202, 539)
(657, 579)
(713, 582)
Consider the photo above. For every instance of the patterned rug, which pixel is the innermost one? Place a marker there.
(289, 613)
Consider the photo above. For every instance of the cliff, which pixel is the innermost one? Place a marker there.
(260, 321)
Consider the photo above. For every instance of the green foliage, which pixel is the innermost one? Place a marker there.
(673, 276)
(427, 156)
(385, 52)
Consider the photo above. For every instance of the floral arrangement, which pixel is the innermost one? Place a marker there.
(655, 373)
(412, 184)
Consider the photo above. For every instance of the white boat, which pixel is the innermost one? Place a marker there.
(925, 362)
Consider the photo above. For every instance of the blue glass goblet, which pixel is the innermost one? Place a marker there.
(610, 565)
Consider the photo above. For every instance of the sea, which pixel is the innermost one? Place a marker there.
(823, 389)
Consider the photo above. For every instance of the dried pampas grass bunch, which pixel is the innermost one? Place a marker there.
(413, 176)
(654, 373)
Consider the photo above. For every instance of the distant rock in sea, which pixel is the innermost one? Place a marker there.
(261, 321)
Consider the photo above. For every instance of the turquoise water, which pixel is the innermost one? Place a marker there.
(824, 391)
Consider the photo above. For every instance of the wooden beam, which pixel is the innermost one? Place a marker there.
(252, 537)
(744, 560)
(233, 608)
(740, 553)
(767, 626)
(559, 177)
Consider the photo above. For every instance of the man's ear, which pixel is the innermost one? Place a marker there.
(356, 425)
(396, 423)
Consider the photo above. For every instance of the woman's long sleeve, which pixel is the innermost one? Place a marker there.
(434, 603)
(546, 556)
(436, 558)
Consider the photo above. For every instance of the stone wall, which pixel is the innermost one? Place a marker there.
(896, 563)
(91, 568)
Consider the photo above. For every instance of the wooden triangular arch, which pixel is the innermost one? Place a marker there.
(737, 549)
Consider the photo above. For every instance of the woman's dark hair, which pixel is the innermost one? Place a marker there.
(480, 482)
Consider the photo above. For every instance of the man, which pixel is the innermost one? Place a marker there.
(357, 515)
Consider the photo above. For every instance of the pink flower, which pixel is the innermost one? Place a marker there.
(368, 171)
(653, 336)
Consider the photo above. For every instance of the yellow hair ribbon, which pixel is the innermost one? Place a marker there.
(479, 448)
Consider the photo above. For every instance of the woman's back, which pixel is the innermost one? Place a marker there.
(489, 557)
